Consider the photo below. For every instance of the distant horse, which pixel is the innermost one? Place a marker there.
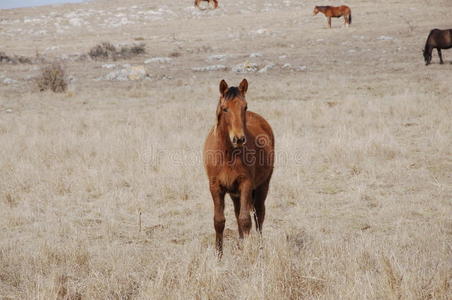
(439, 39)
(238, 159)
(215, 3)
(335, 12)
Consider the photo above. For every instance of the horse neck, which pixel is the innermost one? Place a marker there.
(322, 8)
(428, 48)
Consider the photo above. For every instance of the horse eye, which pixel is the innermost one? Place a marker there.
(225, 109)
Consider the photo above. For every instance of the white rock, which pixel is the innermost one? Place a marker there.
(128, 73)
(9, 81)
(160, 60)
(108, 66)
(245, 68)
(261, 31)
(266, 68)
(294, 68)
(385, 38)
(255, 54)
(76, 22)
(210, 68)
(217, 57)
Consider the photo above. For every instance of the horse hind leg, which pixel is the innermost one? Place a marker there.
(440, 56)
(260, 194)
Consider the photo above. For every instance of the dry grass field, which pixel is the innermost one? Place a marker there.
(360, 205)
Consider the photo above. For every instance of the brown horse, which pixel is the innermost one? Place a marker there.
(335, 12)
(238, 158)
(215, 3)
(439, 39)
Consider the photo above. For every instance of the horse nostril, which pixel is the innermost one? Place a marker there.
(241, 140)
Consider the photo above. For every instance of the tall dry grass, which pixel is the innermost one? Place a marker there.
(359, 205)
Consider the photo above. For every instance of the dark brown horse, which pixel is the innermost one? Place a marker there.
(215, 3)
(439, 39)
(238, 158)
(335, 12)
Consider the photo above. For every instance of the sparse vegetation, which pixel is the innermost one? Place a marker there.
(53, 77)
(15, 59)
(107, 50)
(105, 196)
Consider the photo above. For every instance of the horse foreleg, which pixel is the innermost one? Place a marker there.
(236, 201)
(245, 207)
(440, 56)
(329, 22)
(218, 219)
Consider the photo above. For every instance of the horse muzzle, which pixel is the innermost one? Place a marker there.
(238, 141)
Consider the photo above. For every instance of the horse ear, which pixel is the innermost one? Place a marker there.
(243, 87)
(223, 87)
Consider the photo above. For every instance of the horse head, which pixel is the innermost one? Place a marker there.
(231, 112)
(427, 56)
(315, 11)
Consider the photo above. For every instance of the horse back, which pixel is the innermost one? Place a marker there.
(338, 11)
(440, 38)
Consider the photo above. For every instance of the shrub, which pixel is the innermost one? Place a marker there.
(107, 50)
(16, 59)
(53, 78)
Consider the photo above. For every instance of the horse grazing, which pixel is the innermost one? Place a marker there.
(439, 39)
(335, 12)
(215, 3)
(238, 159)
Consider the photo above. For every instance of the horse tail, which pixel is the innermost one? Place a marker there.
(350, 18)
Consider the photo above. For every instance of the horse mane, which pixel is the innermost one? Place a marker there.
(322, 8)
(232, 93)
(428, 40)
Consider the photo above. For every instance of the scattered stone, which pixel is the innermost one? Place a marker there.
(76, 22)
(137, 73)
(217, 57)
(294, 68)
(9, 81)
(160, 60)
(210, 68)
(255, 54)
(385, 38)
(245, 68)
(261, 31)
(127, 73)
(108, 66)
(266, 68)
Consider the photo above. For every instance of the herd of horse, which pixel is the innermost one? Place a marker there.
(239, 150)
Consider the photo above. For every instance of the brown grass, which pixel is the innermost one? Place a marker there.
(359, 205)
